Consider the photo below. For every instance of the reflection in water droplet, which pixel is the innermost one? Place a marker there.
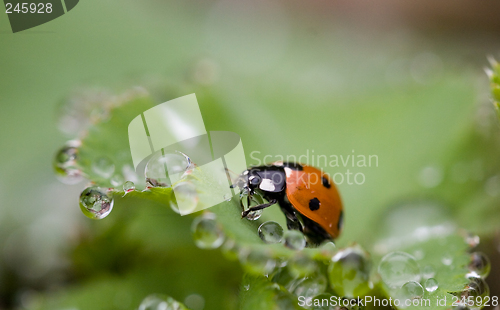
(65, 163)
(431, 285)
(96, 202)
(349, 272)
(103, 167)
(479, 265)
(477, 290)
(160, 302)
(294, 240)
(207, 233)
(270, 232)
(412, 290)
(471, 239)
(301, 266)
(160, 166)
(397, 268)
(254, 215)
(430, 176)
(128, 186)
(310, 287)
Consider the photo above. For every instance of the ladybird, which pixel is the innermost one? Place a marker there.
(307, 196)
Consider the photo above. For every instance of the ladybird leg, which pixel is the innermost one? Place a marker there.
(259, 207)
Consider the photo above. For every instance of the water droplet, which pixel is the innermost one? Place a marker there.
(447, 260)
(96, 202)
(255, 200)
(294, 240)
(160, 302)
(257, 261)
(428, 272)
(103, 167)
(349, 272)
(301, 266)
(246, 287)
(270, 232)
(328, 249)
(476, 290)
(186, 197)
(195, 302)
(412, 290)
(254, 215)
(397, 268)
(117, 180)
(310, 287)
(430, 176)
(431, 285)
(65, 163)
(128, 187)
(479, 265)
(227, 197)
(471, 239)
(206, 232)
(162, 167)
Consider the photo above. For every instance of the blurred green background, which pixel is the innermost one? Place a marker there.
(400, 80)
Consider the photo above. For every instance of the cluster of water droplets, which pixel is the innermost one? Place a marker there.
(96, 201)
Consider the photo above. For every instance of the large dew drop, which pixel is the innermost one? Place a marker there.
(310, 287)
(161, 167)
(479, 265)
(294, 240)
(96, 202)
(65, 164)
(397, 268)
(207, 233)
(349, 272)
(301, 266)
(411, 290)
(160, 302)
(186, 197)
(271, 232)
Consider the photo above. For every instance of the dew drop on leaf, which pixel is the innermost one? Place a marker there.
(162, 167)
(310, 286)
(207, 233)
(397, 268)
(294, 240)
(65, 164)
(96, 202)
(103, 167)
(128, 186)
(270, 232)
(412, 290)
(349, 272)
(186, 197)
(479, 265)
(254, 215)
(431, 285)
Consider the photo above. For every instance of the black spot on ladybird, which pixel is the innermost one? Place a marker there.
(326, 182)
(314, 204)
